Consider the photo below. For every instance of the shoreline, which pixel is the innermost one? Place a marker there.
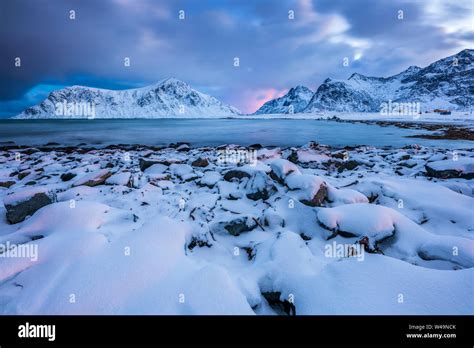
(276, 221)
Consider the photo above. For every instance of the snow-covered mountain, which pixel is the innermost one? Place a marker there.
(167, 98)
(294, 101)
(447, 83)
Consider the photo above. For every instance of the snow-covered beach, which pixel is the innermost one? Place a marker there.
(236, 230)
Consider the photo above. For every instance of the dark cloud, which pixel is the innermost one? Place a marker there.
(275, 53)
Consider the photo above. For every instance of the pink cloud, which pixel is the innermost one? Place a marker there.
(252, 100)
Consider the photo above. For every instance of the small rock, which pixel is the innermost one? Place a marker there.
(236, 226)
(144, 164)
(256, 146)
(183, 147)
(6, 184)
(200, 162)
(235, 173)
(293, 157)
(67, 176)
(24, 174)
(348, 165)
(272, 219)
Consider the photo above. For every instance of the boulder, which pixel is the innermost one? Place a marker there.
(281, 168)
(450, 169)
(309, 189)
(183, 147)
(348, 165)
(67, 176)
(200, 162)
(144, 164)
(23, 174)
(259, 187)
(94, 178)
(235, 173)
(236, 226)
(26, 202)
(7, 183)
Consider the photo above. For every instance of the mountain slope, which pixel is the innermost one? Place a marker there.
(167, 98)
(447, 83)
(294, 101)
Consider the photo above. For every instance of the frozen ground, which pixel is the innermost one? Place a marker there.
(179, 230)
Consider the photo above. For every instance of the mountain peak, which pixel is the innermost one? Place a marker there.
(294, 101)
(172, 81)
(167, 98)
(355, 76)
(446, 83)
(466, 52)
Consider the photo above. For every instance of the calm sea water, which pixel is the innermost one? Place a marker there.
(210, 132)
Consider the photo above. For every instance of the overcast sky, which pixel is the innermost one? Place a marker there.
(275, 52)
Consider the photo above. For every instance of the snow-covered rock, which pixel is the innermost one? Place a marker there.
(281, 168)
(461, 168)
(187, 241)
(308, 189)
(93, 178)
(23, 203)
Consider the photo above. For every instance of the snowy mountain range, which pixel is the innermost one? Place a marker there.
(294, 101)
(167, 98)
(447, 83)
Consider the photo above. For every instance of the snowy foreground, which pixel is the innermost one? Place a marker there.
(308, 230)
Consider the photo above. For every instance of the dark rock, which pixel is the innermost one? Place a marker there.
(343, 155)
(259, 187)
(6, 184)
(98, 179)
(197, 242)
(256, 146)
(447, 173)
(144, 164)
(17, 213)
(348, 165)
(183, 148)
(200, 162)
(281, 307)
(30, 151)
(235, 173)
(293, 157)
(236, 226)
(24, 174)
(407, 164)
(67, 176)
(318, 198)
